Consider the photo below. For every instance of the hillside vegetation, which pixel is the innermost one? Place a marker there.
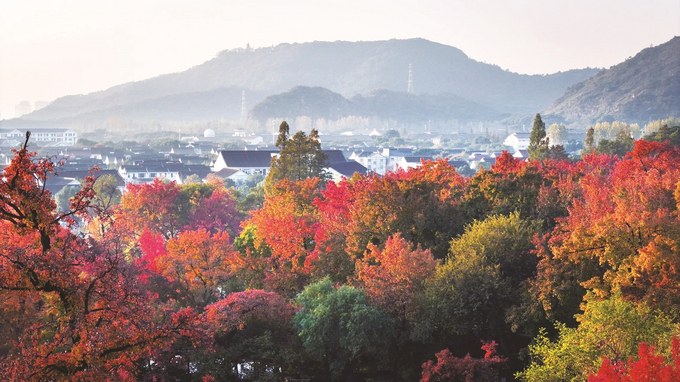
(643, 88)
(384, 104)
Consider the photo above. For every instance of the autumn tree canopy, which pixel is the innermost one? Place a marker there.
(562, 270)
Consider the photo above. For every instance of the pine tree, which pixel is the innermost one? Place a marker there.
(300, 157)
(538, 144)
(558, 152)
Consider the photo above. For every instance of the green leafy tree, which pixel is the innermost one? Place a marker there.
(589, 144)
(252, 199)
(500, 240)
(340, 329)
(619, 146)
(481, 140)
(106, 195)
(389, 134)
(558, 152)
(538, 141)
(483, 276)
(84, 142)
(63, 197)
(107, 192)
(191, 179)
(611, 328)
(300, 157)
(655, 126)
(671, 135)
(509, 186)
(464, 298)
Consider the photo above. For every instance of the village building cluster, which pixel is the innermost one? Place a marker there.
(197, 159)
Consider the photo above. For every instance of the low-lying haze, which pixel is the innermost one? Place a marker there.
(53, 48)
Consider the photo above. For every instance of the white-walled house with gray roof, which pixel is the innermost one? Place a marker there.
(146, 174)
(518, 141)
(394, 156)
(408, 162)
(14, 133)
(248, 161)
(259, 161)
(340, 170)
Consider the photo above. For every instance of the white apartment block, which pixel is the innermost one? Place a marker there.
(371, 160)
(65, 136)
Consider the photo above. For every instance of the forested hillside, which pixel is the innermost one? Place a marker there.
(402, 107)
(347, 68)
(546, 270)
(643, 88)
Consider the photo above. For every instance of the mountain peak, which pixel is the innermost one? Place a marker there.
(345, 68)
(642, 88)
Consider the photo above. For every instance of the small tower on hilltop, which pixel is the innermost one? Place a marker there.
(410, 79)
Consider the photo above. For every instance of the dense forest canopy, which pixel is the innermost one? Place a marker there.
(538, 270)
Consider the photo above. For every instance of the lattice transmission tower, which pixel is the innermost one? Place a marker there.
(410, 79)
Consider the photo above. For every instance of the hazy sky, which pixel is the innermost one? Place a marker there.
(51, 48)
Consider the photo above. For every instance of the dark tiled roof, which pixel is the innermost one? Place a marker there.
(366, 154)
(200, 170)
(243, 159)
(225, 173)
(63, 176)
(458, 163)
(349, 168)
(412, 159)
(55, 185)
(335, 156)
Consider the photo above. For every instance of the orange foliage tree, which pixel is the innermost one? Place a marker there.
(394, 276)
(627, 224)
(286, 225)
(197, 264)
(93, 321)
(422, 204)
(394, 281)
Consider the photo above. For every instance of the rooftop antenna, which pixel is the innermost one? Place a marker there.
(243, 105)
(410, 79)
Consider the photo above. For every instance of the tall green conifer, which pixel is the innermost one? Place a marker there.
(300, 157)
(538, 144)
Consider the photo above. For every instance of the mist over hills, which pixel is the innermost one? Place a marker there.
(220, 103)
(317, 102)
(643, 88)
(212, 89)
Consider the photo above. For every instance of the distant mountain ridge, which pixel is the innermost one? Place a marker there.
(643, 88)
(317, 102)
(346, 68)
